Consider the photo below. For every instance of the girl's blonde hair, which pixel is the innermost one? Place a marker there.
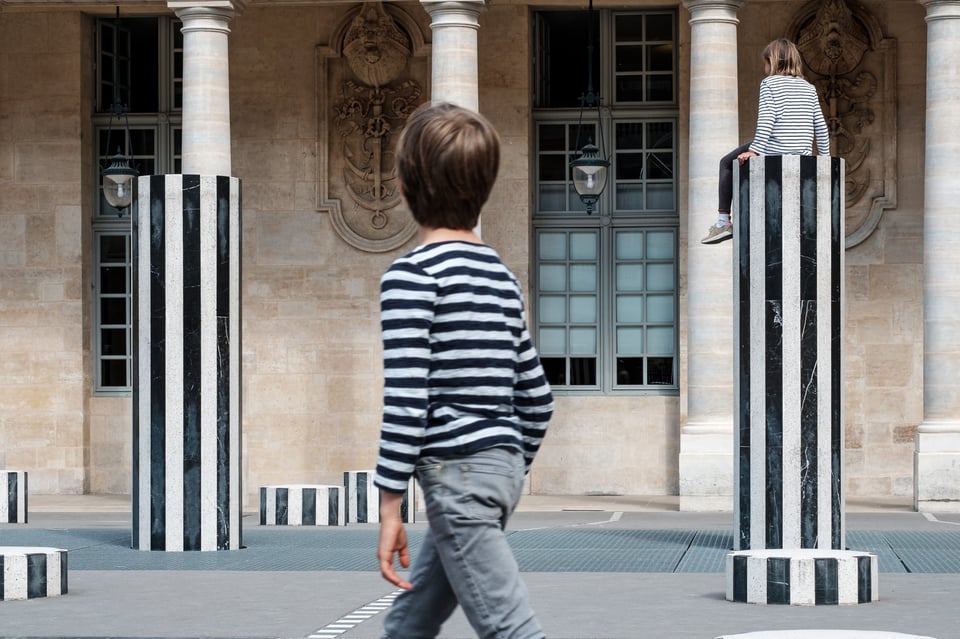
(784, 58)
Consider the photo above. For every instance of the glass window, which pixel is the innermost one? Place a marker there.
(139, 66)
(606, 285)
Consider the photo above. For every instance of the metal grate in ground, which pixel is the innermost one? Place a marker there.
(544, 550)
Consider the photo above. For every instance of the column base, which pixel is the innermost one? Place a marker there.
(936, 465)
(706, 468)
(802, 577)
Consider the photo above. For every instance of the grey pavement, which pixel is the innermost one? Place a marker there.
(596, 567)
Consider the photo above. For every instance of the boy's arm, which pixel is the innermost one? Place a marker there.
(407, 298)
(532, 399)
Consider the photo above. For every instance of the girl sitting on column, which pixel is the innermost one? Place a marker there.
(788, 119)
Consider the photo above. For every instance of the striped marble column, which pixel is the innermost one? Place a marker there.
(788, 386)
(13, 505)
(788, 413)
(186, 400)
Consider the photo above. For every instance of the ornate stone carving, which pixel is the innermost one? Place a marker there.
(374, 76)
(853, 67)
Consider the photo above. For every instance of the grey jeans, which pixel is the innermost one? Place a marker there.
(464, 557)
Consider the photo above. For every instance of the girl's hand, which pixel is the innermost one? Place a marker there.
(746, 155)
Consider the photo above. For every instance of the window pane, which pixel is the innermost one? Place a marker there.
(660, 277)
(113, 280)
(660, 308)
(630, 245)
(553, 168)
(660, 57)
(630, 197)
(113, 249)
(629, 166)
(552, 341)
(583, 277)
(113, 341)
(630, 308)
(630, 88)
(552, 137)
(583, 246)
(630, 58)
(660, 370)
(629, 27)
(660, 26)
(553, 277)
(113, 372)
(630, 341)
(553, 246)
(630, 371)
(553, 197)
(113, 310)
(553, 309)
(583, 309)
(660, 88)
(630, 277)
(660, 245)
(583, 371)
(659, 196)
(660, 340)
(555, 368)
(630, 135)
(660, 135)
(659, 166)
(583, 341)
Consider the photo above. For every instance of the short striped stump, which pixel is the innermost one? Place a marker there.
(13, 503)
(29, 572)
(802, 577)
(301, 505)
(363, 499)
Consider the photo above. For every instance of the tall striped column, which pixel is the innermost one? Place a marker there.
(186, 400)
(13, 500)
(788, 382)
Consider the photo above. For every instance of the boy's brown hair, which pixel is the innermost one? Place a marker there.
(784, 58)
(447, 161)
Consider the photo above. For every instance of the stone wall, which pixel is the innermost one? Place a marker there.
(44, 235)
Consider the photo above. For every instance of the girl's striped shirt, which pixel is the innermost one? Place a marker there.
(461, 374)
(789, 118)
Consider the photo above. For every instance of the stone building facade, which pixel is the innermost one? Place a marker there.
(322, 221)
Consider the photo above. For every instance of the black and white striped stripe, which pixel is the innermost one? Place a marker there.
(789, 118)
(788, 242)
(186, 486)
(13, 502)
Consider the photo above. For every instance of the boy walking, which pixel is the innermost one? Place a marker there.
(466, 403)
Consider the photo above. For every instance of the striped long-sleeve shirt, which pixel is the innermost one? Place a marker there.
(789, 118)
(461, 374)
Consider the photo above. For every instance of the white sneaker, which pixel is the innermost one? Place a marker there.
(718, 234)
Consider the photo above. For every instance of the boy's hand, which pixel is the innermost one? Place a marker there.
(393, 539)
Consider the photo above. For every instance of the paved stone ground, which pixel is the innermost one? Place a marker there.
(592, 573)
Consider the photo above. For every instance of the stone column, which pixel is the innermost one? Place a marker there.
(206, 84)
(937, 456)
(454, 60)
(706, 436)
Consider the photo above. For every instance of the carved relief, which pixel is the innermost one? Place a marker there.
(853, 68)
(369, 82)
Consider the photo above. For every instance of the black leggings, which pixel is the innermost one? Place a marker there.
(726, 177)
